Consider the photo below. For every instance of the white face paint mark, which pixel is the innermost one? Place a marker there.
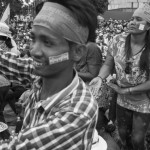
(58, 58)
(141, 27)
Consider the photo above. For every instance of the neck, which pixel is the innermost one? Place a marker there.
(138, 39)
(54, 84)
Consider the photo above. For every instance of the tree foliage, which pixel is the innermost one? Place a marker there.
(100, 5)
(15, 6)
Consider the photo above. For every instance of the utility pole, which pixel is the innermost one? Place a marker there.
(138, 3)
(132, 6)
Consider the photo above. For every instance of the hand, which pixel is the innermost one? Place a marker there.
(117, 88)
(95, 85)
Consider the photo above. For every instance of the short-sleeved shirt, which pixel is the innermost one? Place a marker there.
(136, 102)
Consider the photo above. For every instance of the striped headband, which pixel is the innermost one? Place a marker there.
(143, 12)
(60, 19)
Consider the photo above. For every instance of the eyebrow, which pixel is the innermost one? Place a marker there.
(136, 17)
(44, 36)
(52, 39)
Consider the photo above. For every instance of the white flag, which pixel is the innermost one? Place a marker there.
(6, 15)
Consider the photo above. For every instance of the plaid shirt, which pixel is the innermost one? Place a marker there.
(65, 121)
(17, 70)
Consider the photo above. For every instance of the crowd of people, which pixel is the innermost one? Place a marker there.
(73, 81)
(20, 29)
(106, 30)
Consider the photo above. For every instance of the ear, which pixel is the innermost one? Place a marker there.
(78, 52)
(148, 26)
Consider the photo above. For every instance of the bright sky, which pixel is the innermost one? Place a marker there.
(30, 1)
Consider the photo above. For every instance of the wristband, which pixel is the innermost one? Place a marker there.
(100, 78)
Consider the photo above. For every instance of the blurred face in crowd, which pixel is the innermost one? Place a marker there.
(137, 25)
(47, 43)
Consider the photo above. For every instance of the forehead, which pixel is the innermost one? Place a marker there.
(40, 30)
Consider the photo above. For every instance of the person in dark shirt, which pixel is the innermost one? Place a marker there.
(89, 65)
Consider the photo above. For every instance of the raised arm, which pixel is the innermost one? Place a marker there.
(14, 67)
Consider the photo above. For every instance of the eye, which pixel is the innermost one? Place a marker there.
(47, 42)
(139, 19)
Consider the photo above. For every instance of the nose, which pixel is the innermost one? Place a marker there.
(35, 49)
(133, 21)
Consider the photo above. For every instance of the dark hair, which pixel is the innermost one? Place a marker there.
(22, 54)
(84, 12)
(145, 56)
(7, 41)
(38, 7)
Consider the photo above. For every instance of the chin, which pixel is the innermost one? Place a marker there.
(137, 33)
(44, 74)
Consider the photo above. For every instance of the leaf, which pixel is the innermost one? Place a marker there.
(15, 6)
(100, 5)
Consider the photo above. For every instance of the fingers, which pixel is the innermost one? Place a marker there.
(95, 85)
(92, 82)
(112, 85)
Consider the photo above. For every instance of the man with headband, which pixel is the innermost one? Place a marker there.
(61, 113)
(130, 55)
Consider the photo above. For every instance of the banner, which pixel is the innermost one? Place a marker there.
(6, 15)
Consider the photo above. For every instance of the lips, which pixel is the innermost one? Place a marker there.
(38, 64)
(132, 28)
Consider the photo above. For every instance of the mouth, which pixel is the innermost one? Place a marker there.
(37, 64)
(131, 28)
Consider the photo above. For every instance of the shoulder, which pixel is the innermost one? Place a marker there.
(91, 45)
(92, 48)
(83, 101)
(119, 37)
(118, 40)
